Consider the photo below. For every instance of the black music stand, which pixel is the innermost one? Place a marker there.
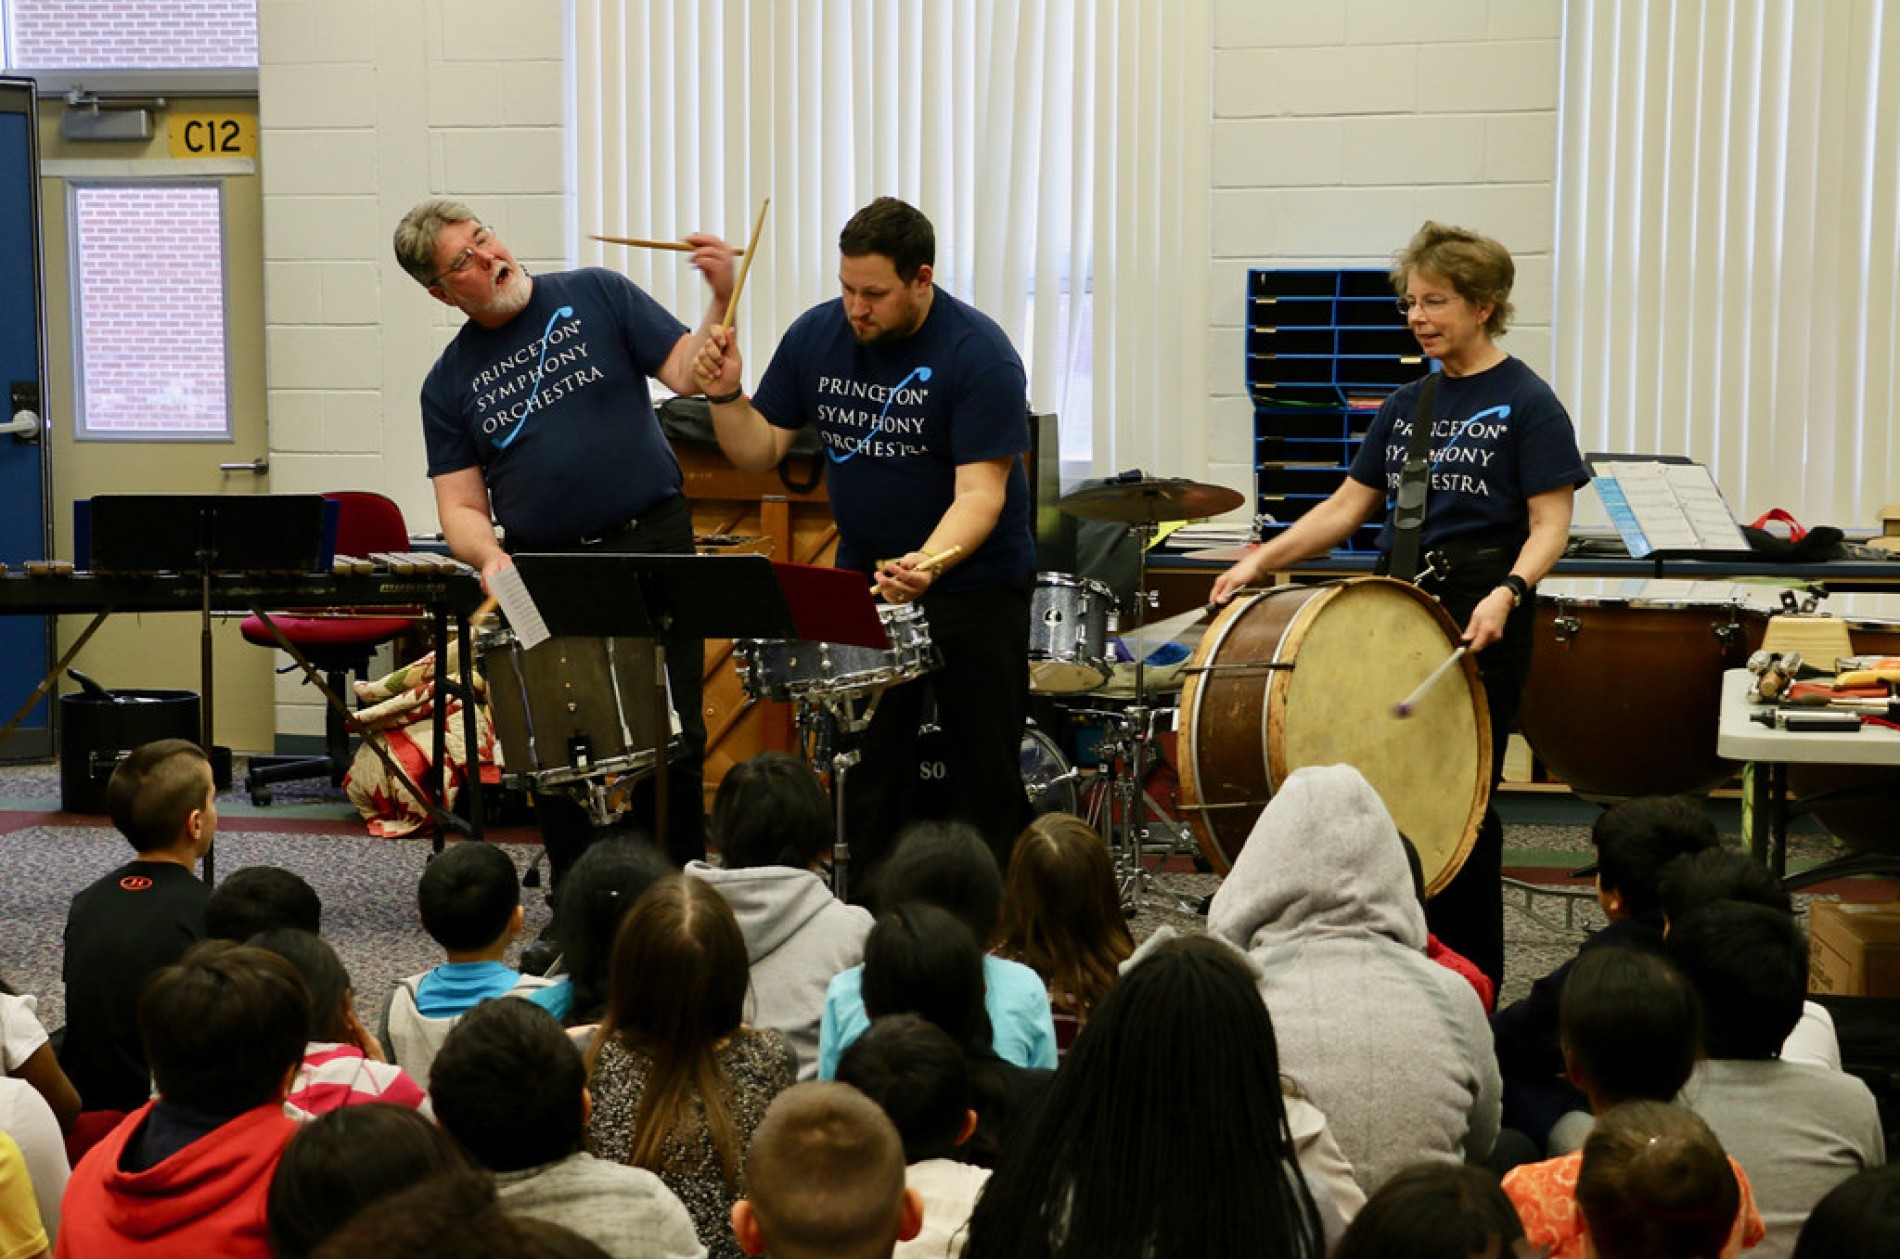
(205, 534)
(604, 594)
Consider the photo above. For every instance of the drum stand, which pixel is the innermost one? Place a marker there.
(1128, 809)
(822, 721)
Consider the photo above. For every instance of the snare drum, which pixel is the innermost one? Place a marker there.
(1068, 634)
(794, 669)
(1626, 683)
(571, 709)
(1310, 675)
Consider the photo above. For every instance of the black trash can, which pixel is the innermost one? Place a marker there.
(97, 730)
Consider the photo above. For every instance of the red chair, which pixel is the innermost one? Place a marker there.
(337, 642)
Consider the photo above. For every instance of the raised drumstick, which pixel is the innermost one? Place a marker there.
(752, 247)
(641, 242)
(1404, 707)
(933, 562)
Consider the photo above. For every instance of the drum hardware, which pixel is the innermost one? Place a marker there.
(1566, 625)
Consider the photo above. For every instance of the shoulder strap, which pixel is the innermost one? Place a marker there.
(1408, 516)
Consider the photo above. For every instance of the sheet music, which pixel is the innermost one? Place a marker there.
(1666, 507)
(518, 606)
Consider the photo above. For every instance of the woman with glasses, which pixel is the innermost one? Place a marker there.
(1500, 474)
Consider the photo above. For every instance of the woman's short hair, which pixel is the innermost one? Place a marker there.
(1479, 268)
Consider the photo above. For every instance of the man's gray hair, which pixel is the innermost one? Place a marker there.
(417, 233)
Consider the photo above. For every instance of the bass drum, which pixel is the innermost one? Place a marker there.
(1048, 778)
(1311, 675)
(1626, 683)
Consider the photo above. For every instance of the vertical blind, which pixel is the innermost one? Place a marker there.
(1060, 148)
(1728, 244)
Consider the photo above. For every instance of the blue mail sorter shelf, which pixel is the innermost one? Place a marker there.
(1324, 348)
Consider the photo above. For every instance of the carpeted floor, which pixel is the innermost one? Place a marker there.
(368, 885)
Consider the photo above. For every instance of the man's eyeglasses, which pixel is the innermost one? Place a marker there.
(482, 238)
(1432, 302)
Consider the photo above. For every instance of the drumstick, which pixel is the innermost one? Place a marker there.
(641, 242)
(752, 247)
(931, 563)
(1404, 707)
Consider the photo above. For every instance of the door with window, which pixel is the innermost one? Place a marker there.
(23, 532)
(155, 312)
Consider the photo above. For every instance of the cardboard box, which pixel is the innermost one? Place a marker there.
(1854, 948)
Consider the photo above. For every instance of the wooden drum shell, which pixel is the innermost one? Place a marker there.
(1310, 675)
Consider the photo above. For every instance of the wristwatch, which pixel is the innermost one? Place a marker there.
(1518, 588)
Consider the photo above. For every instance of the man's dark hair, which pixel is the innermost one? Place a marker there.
(1749, 964)
(325, 977)
(342, 1161)
(223, 1027)
(154, 790)
(1636, 838)
(771, 811)
(261, 898)
(1433, 1209)
(1632, 1023)
(895, 229)
(1719, 874)
(467, 896)
(948, 865)
(507, 1086)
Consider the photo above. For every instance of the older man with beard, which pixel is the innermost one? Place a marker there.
(537, 416)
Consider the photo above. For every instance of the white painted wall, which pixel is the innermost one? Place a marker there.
(1337, 127)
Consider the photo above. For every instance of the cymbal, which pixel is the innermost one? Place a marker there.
(1149, 500)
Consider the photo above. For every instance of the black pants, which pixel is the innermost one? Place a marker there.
(566, 830)
(1468, 915)
(982, 698)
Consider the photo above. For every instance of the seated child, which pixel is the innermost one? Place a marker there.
(342, 1161)
(261, 898)
(1631, 1032)
(343, 1064)
(1062, 917)
(188, 1173)
(1859, 1219)
(470, 899)
(1655, 1184)
(1434, 1211)
(825, 1179)
(1634, 840)
(772, 822)
(1798, 1128)
(948, 865)
(511, 1088)
(136, 920)
(916, 1074)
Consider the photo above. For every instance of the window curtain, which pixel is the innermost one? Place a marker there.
(1728, 256)
(1060, 148)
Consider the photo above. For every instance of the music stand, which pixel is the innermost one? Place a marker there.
(206, 534)
(607, 594)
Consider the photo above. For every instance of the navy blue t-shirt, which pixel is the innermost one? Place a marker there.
(1499, 437)
(896, 419)
(553, 407)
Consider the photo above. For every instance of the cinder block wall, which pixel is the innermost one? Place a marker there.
(365, 108)
(1341, 125)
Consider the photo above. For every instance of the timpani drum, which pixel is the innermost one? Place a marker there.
(570, 709)
(1069, 621)
(1311, 675)
(1866, 816)
(796, 669)
(1626, 683)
